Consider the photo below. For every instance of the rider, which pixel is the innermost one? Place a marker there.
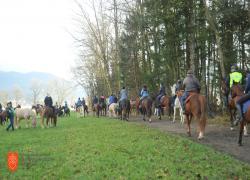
(49, 102)
(95, 100)
(78, 103)
(111, 99)
(83, 102)
(10, 112)
(190, 84)
(178, 86)
(161, 93)
(243, 99)
(143, 94)
(235, 76)
(123, 94)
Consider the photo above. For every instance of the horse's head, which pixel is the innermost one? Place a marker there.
(237, 91)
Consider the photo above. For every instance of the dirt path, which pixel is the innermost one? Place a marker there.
(218, 137)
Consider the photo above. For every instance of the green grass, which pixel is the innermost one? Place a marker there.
(94, 148)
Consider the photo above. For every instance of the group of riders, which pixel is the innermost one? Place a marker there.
(189, 85)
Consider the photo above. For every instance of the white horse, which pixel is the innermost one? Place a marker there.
(79, 111)
(112, 110)
(27, 114)
(177, 105)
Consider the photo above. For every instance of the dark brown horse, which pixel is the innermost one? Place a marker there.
(124, 107)
(164, 103)
(3, 117)
(236, 94)
(196, 107)
(96, 109)
(50, 116)
(146, 108)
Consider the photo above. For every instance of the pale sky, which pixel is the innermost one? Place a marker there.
(34, 36)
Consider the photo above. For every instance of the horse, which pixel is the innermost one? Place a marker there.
(59, 111)
(146, 108)
(134, 108)
(3, 117)
(236, 94)
(66, 111)
(196, 107)
(96, 109)
(80, 111)
(103, 108)
(50, 115)
(26, 114)
(112, 109)
(164, 103)
(124, 107)
(38, 108)
(177, 105)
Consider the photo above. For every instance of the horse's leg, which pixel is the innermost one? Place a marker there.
(149, 113)
(188, 124)
(174, 113)
(202, 124)
(241, 133)
(231, 119)
(245, 130)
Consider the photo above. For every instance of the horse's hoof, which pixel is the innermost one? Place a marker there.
(240, 144)
(189, 134)
(173, 121)
(231, 128)
(200, 137)
(245, 135)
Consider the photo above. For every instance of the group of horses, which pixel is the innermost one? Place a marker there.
(49, 114)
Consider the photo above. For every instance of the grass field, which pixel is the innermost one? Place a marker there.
(91, 148)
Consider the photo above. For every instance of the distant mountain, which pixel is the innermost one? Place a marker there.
(23, 80)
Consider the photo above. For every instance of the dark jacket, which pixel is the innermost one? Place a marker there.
(247, 89)
(48, 101)
(191, 83)
(178, 87)
(95, 100)
(162, 90)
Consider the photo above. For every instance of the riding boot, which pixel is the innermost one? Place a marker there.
(239, 115)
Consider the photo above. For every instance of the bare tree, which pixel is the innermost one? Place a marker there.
(36, 89)
(17, 94)
(4, 97)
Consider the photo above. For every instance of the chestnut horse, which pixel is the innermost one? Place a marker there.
(3, 117)
(196, 107)
(96, 109)
(146, 108)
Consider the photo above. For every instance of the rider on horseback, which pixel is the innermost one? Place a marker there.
(144, 94)
(243, 99)
(78, 103)
(190, 84)
(178, 86)
(49, 102)
(161, 93)
(123, 94)
(111, 99)
(235, 76)
(83, 102)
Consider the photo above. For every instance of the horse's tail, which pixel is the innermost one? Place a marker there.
(203, 117)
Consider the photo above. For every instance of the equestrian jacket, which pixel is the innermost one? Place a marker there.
(144, 93)
(111, 99)
(191, 83)
(247, 89)
(48, 101)
(235, 77)
(123, 94)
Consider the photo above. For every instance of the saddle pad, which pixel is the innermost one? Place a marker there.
(246, 106)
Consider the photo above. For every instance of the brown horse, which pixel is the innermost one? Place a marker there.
(196, 107)
(3, 117)
(124, 107)
(146, 108)
(96, 109)
(50, 116)
(165, 103)
(237, 93)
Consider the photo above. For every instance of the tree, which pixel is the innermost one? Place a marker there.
(36, 89)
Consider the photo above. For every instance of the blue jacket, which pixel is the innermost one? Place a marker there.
(144, 93)
(123, 94)
(111, 99)
(247, 89)
(79, 102)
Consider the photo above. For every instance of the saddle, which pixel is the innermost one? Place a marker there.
(190, 95)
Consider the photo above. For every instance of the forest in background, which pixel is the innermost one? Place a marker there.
(135, 42)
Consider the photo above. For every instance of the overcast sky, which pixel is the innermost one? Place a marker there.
(34, 37)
